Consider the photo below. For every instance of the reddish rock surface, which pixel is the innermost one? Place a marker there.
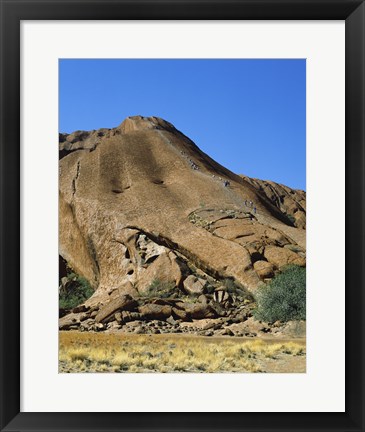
(141, 202)
(291, 202)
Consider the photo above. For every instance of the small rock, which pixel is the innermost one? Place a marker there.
(114, 325)
(228, 332)
(139, 330)
(171, 320)
(118, 317)
(277, 324)
(86, 325)
(130, 316)
(134, 324)
(99, 326)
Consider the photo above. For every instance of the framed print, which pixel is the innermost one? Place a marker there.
(159, 268)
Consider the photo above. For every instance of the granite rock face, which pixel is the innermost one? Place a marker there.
(291, 202)
(142, 206)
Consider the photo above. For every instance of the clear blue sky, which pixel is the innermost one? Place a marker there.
(249, 115)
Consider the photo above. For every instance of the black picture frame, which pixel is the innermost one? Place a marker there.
(12, 12)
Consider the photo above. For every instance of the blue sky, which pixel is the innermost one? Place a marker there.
(248, 115)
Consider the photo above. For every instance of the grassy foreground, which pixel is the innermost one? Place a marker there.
(100, 352)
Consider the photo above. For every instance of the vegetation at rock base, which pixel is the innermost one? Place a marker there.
(100, 352)
(76, 291)
(284, 298)
(160, 289)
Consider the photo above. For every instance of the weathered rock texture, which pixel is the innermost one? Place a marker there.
(142, 203)
(291, 202)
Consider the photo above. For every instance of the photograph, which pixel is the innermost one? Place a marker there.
(163, 245)
(182, 215)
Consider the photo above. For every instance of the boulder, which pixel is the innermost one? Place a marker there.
(264, 269)
(155, 311)
(94, 313)
(180, 314)
(124, 302)
(248, 326)
(208, 323)
(199, 310)
(130, 316)
(194, 285)
(164, 269)
(171, 320)
(69, 320)
(294, 329)
(281, 257)
(112, 326)
(203, 299)
(128, 288)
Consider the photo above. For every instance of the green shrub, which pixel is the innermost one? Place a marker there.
(160, 289)
(291, 218)
(77, 291)
(284, 298)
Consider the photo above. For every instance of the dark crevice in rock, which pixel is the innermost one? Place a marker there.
(75, 178)
(91, 248)
(257, 256)
(62, 267)
(151, 259)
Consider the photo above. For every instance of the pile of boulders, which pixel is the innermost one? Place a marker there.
(200, 315)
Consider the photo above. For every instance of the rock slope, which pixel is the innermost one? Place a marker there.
(291, 202)
(141, 206)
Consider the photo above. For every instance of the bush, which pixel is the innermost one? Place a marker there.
(291, 219)
(160, 289)
(284, 298)
(78, 290)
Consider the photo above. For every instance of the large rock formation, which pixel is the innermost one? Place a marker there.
(142, 205)
(291, 202)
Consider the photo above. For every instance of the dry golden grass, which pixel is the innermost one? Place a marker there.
(100, 352)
